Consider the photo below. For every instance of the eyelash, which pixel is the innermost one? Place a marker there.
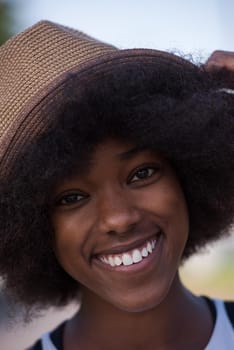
(70, 199)
(150, 172)
(75, 197)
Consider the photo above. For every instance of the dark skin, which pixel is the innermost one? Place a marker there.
(125, 199)
(166, 327)
(220, 59)
(143, 308)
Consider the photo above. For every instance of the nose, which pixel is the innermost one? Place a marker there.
(117, 213)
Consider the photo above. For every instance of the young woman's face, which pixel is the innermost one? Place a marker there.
(120, 228)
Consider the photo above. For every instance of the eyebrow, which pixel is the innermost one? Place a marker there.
(131, 153)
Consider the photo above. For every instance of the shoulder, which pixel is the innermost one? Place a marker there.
(223, 332)
(52, 340)
(36, 346)
(224, 310)
(229, 306)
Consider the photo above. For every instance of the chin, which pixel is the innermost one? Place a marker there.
(140, 304)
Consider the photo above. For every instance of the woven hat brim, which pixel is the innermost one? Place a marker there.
(32, 122)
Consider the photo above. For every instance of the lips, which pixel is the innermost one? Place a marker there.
(130, 256)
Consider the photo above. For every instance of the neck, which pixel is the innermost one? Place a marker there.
(165, 323)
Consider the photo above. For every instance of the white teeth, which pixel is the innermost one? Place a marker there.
(117, 260)
(111, 261)
(127, 259)
(106, 260)
(131, 257)
(144, 252)
(149, 247)
(136, 256)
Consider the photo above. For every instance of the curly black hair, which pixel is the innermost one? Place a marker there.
(177, 108)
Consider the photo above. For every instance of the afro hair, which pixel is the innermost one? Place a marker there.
(174, 107)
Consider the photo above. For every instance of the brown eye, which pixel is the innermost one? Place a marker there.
(70, 199)
(142, 174)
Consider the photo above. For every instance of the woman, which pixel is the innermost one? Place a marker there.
(116, 165)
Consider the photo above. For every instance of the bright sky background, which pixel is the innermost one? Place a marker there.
(195, 26)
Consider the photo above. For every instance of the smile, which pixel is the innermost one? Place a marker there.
(130, 257)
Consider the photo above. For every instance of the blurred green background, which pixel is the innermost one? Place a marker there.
(7, 20)
(212, 272)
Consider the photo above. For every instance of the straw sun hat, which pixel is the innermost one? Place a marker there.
(33, 67)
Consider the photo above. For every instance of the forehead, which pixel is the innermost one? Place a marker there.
(109, 153)
(120, 151)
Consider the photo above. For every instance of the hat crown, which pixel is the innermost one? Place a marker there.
(31, 60)
(36, 63)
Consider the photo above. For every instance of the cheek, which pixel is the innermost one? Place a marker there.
(176, 220)
(166, 200)
(69, 239)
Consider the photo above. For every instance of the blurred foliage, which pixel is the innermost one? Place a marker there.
(6, 20)
(219, 283)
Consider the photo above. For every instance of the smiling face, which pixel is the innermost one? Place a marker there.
(121, 226)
